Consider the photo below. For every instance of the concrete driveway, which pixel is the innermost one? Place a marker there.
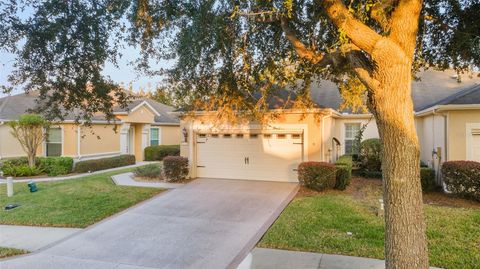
(209, 223)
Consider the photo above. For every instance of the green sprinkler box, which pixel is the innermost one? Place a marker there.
(32, 186)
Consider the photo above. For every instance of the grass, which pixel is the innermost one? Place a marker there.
(7, 252)
(71, 203)
(320, 222)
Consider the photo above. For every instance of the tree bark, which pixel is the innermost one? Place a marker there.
(391, 103)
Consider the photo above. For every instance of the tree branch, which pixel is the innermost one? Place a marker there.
(299, 47)
(404, 25)
(379, 13)
(362, 66)
(361, 35)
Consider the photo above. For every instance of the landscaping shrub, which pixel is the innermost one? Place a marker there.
(371, 154)
(151, 171)
(52, 166)
(175, 168)
(104, 163)
(157, 153)
(22, 170)
(343, 172)
(317, 175)
(462, 178)
(427, 176)
(55, 166)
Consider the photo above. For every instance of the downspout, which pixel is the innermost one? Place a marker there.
(79, 139)
(1, 123)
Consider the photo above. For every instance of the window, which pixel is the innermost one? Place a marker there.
(154, 141)
(351, 131)
(54, 142)
(281, 136)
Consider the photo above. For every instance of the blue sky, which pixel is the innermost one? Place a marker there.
(125, 73)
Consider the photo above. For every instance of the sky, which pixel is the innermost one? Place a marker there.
(125, 73)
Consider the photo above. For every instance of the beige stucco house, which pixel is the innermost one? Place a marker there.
(447, 118)
(142, 123)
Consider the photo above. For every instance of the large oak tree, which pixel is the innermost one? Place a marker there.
(235, 54)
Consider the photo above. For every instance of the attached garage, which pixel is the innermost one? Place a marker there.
(251, 155)
(475, 140)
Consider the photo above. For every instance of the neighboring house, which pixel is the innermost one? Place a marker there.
(447, 117)
(142, 123)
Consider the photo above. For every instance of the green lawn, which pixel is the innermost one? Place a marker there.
(71, 203)
(7, 252)
(319, 223)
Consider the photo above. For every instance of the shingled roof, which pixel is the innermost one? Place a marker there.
(432, 87)
(11, 107)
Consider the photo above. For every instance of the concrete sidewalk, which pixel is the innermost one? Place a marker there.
(45, 179)
(264, 258)
(32, 238)
(208, 223)
(127, 180)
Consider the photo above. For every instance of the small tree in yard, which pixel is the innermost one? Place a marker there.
(29, 131)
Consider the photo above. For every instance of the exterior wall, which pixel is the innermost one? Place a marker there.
(9, 145)
(339, 129)
(138, 142)
(457, 132)
(309, 123)
(70, 137)
(171, 135)
(99, 139)
(431, 135)
(142, 114)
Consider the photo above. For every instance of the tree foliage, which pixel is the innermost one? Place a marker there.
(227, 53)
(30, 132)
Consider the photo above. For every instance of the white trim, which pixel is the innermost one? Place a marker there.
(469, 127)
(431, 110)
(44, 146)
(148, 105)
(343, 132)
(159, 137)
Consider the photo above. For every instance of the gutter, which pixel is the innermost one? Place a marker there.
(433, 109)
(2, 122)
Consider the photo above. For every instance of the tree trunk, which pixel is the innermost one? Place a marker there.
(405, 239)
(31, 159)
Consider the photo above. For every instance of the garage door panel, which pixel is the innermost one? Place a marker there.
(259, 158)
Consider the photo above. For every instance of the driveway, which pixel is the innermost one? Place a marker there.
(209, 223)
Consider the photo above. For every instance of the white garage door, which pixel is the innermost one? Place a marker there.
(262, 156)
(476, 147)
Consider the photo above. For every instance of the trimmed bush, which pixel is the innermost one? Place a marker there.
(52, 166)
(427, 176)
(462, 178)
(317, 175)
(157, 153)
(175, 168)
(371, 154)
(150, 171)
(55, 166)
(22, 170)
(345, 160)
(344, 172)
(104, 163)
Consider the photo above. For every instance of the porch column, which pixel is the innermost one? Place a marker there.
(124, 128)
(145, 138)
